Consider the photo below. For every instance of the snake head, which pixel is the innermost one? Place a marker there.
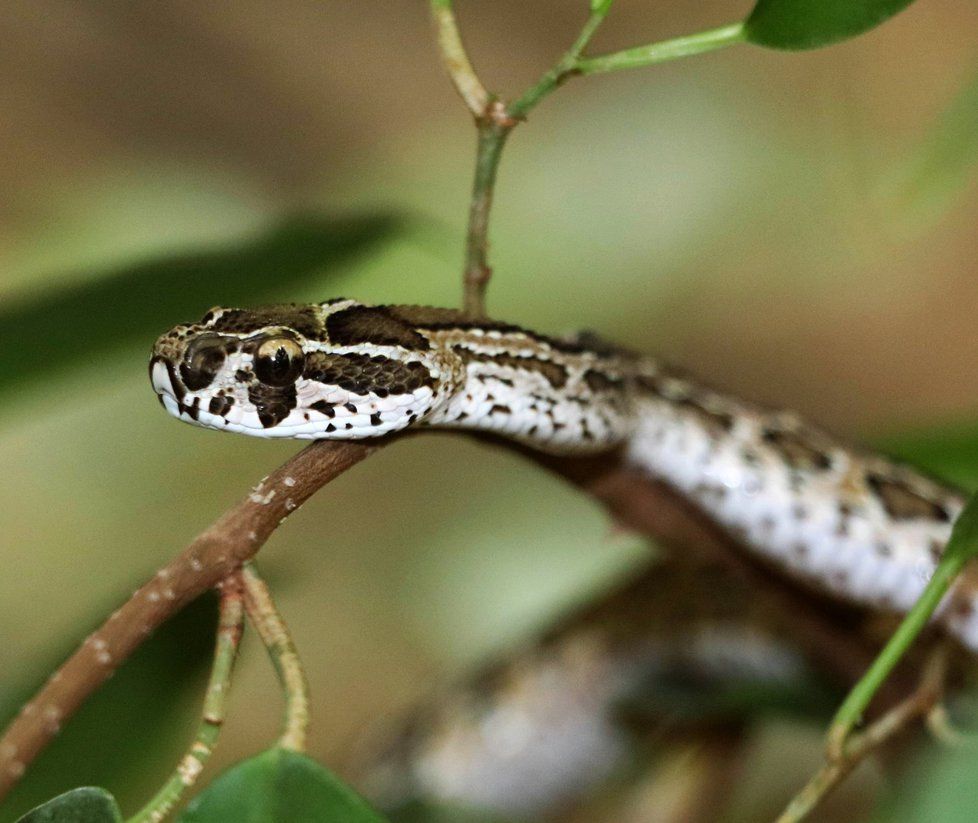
(339, 370)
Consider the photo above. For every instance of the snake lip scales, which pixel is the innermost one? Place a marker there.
(849, 522)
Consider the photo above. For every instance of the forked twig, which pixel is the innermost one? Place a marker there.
(859, 745)
(268, 621)
(216, 553)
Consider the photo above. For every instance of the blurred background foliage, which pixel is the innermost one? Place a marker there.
(798, 228)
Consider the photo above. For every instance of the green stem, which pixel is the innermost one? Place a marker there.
(639, 56)
(858, 699)
(494, 127)
(230, 627)
(961, 547)
(567, 65)
(857, 747)
(492, 138)
(275, 635)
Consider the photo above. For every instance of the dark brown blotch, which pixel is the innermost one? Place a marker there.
(716, 421)
(323, 407)
(373, 324)
(598, 381)
(220, 404)
(362, 374)
(903, 503)
(303, 319)
(796, 449)
(272, 404)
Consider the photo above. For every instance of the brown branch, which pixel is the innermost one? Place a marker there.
(225, 546)
(213, 555)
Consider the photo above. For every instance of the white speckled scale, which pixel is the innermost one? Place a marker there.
(853, 524)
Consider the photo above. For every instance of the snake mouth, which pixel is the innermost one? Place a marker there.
(170, 390)
(164, 379)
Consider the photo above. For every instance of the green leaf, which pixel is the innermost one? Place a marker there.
(86, 805)
(279, 786)
(808, 24)
(65, 328)
(949, 452)
(945, 163)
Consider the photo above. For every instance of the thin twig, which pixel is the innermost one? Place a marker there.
(566, 66)
(962, 547)
(456, 59)
(859, 746)
(229, 629)
(663, 51)
(495, 120)
(216, 553)
(268, 621)
(491, 139)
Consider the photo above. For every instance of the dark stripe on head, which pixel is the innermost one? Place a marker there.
(435, 319)
(302, 319)
(372, 324)
(362, 374)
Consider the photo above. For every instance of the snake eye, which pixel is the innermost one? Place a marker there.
(204, 358)
(279, 361)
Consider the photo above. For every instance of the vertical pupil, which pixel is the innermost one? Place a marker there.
(280, 364)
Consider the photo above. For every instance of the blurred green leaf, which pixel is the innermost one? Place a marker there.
(153, 697)
(808, 24)
(64, 328)
(945, 162)
(86, 805)
(938, 789)
(949, 452)
(279, 786)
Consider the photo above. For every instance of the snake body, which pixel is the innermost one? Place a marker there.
(849, 522)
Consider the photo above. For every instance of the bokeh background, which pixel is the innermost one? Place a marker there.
(798, 228)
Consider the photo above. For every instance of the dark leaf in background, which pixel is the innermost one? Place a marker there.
(808, 24)
(77, 325)
(279, 786)
(131, 733)
(950, 453)
(86, 805)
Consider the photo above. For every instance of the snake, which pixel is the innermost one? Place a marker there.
(662, 655)
(839, 518)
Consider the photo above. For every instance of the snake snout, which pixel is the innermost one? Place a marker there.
(164, 378)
